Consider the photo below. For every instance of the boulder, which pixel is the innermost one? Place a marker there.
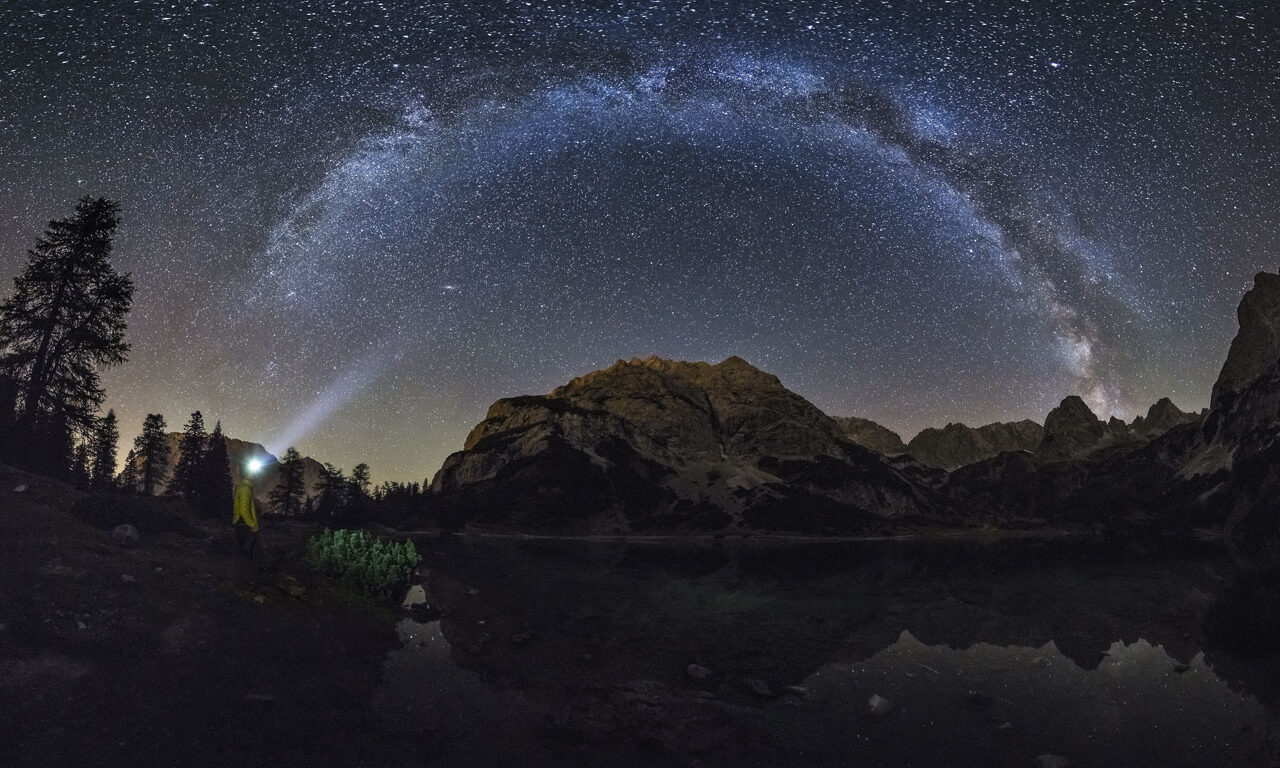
(125, 535)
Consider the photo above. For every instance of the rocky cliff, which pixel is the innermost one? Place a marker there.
(956, 445)
(659, 445)
(869, 434)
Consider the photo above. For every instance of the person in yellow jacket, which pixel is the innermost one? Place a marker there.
(245, 521)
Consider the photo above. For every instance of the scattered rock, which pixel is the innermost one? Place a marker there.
(127, 579)
(55, 567)
(758, 687)
(697, 672)
(1052, 761)
(521, 638)
(81, 625)
(1005, 726)
(297, 591)
(20, 488)
(416, 595)
(879, 706)
(125, 535)
(797, 690)
(473, 591)
(259, 599)
(980, 700)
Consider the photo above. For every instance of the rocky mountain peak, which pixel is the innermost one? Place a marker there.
(1161, 417)
(652, 443)
(1256, 346)
(1070, 430)
(957, 445)
(869, 434)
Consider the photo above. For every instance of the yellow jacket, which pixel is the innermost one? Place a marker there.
(246, 510)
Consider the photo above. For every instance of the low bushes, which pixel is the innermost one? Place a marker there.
(149, 514)
(363, 561)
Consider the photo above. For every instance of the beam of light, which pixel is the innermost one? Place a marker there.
(346, 385)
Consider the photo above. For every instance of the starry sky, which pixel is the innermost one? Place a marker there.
(353, 225)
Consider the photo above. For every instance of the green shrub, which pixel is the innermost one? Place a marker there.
(365, 562)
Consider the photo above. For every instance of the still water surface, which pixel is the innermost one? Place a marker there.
(921, 653)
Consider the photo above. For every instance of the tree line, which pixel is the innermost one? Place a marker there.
(63, 323)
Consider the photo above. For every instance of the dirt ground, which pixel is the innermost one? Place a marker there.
(150, 655)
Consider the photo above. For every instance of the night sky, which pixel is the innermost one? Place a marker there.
(353, 225)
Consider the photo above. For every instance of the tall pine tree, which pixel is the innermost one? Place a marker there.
(129, 475)
(288, 496)
(215, 476)
(80, 466)
(187, 475)
(65, 319)
(102, 474)
(335, 494)
(8, 419)
(153, 453)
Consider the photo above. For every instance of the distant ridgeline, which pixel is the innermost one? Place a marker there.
(659, 446)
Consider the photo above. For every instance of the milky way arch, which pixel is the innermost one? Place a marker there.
(342, 246)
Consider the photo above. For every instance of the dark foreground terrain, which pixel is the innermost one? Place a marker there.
(148, 655)
(1025, 651)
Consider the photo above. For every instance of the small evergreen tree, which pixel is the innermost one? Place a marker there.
(335, 493)
(153, 453)
(129, 475)
(187, 475)
(80, 466)
(215, 476)
(64, 320)
(288, 496)
(360, 479)
(102, 473)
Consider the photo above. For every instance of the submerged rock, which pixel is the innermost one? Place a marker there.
(698, 672)
(879, 706)
(758, 687)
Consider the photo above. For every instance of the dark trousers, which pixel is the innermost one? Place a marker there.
(246, 563)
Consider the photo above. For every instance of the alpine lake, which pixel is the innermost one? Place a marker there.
(936, 651)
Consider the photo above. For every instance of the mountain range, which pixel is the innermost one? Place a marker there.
(652, 445)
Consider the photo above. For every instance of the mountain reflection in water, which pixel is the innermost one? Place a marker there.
(927, 652)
